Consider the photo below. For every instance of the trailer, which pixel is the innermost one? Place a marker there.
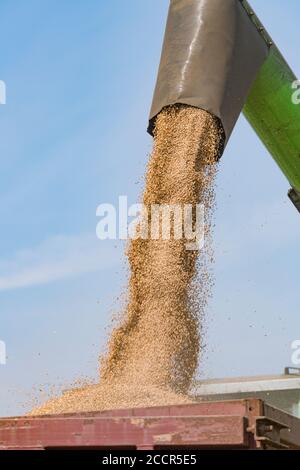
(237, 424)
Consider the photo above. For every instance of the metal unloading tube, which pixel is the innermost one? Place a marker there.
(217, 56)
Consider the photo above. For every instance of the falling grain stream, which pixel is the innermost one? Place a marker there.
(153, 353)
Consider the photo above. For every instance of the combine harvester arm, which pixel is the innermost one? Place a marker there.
(218, 56)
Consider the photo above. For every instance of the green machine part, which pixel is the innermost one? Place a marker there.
(218, 56)
(272, 110)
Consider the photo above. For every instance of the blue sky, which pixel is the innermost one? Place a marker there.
(80, 78)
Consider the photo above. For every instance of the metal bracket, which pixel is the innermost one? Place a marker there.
(295, 198)
(292, 371)
(267, 431)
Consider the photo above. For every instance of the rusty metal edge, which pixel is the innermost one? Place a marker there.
(291, 435)
(215, 431)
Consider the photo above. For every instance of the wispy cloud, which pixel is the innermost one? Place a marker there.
(57, 258)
